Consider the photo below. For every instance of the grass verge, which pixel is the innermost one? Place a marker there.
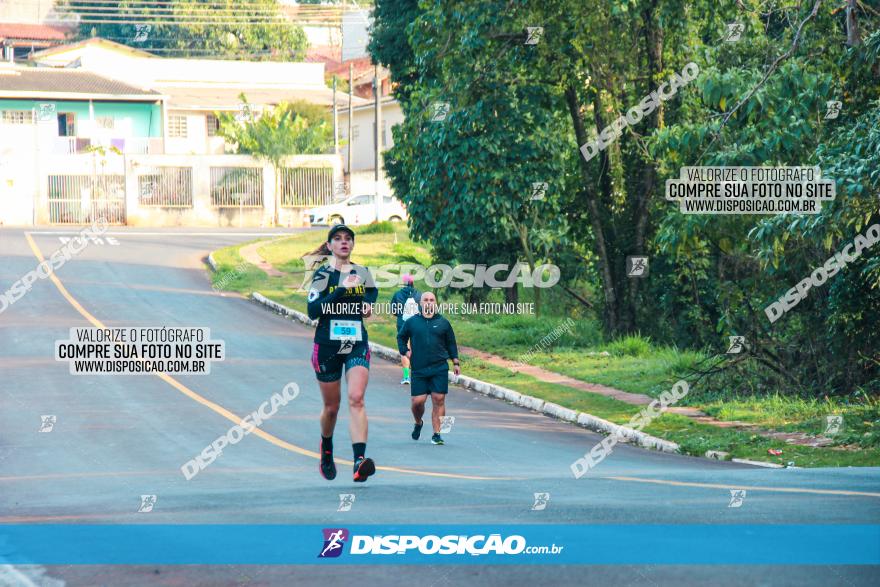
(631, 364)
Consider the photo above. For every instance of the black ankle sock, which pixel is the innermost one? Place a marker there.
(326, 443)
(360, 448)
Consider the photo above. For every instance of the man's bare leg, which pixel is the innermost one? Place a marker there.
(438, 410)
(418, 410)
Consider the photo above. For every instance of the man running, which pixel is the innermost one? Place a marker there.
(405, 305)
(433, 344)
(339, 298)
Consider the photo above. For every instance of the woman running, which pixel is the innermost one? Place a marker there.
(340, 298)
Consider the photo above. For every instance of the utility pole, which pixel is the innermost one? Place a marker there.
(350, 116)
(377, 91)
(335, 121)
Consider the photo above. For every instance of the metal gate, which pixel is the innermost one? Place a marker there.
(166, 187)
(306, 186)
(237, 187)
(82, 199)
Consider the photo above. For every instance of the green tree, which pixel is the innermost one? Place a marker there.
(517, 111)
(220, 29)
(468, 177)
(295, 128)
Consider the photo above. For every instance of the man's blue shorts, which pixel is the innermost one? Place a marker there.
(437, 383)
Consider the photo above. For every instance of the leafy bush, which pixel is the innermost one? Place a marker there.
(384, 227)
(633, 345)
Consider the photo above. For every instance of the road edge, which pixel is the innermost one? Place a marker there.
(534, 404)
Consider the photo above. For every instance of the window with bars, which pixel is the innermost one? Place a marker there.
(235, 187)
(166, 187)
(306, 186)
(17, 116)
(213, 125)
(384, 133)
(177, 127)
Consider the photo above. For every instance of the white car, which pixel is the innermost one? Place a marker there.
(356, 210)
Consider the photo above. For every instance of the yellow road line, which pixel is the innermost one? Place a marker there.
(299, 450)
(749, 487)
(217, 408)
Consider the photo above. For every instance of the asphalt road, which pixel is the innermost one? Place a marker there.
(116, 438)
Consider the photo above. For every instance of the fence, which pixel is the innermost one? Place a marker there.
(306, 186)
(237, 187)
(135, 146)
(166, 187)
(81, 199)
(177, 190)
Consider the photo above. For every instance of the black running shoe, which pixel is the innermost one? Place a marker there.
(363, 468)
(437, 439)
(327, 466)
(417, 431)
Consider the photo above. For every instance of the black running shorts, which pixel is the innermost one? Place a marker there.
(329, 359)
(437, 383)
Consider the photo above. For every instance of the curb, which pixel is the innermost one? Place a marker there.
(285, 311)
(489, 389)
(758, 463)
(718, 455)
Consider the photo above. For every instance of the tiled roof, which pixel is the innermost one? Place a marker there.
(36, 32)
(324, 54)
(40, 80)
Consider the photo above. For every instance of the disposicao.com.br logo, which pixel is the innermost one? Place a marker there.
(476, 545)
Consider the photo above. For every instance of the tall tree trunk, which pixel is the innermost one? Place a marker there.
(277, 169)
(610, 309)
(523, 233)
(511, 294)
(653, 38)
(853, 37)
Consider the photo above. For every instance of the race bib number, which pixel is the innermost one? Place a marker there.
(345, 330)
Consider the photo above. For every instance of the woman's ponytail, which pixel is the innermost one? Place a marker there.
(323, 250)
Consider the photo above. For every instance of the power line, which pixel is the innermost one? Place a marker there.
(278, 6)
(306, 10)
(243, 16)
(175, 16)
(192, 23)
(170, 9)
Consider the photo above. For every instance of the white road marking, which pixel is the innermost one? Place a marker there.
(12, 577)
(94, 240)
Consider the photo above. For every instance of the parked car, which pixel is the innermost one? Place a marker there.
(357, 210)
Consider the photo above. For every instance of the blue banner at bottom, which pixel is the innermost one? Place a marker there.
(441, 544)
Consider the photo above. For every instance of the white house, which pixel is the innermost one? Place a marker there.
(362, 143)
(196, 89)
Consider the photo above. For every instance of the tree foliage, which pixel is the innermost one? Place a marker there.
(218, 29)
(274, 134)
(519, 113)
(290, 128)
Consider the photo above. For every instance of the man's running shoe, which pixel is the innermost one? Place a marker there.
(327, 466)
(363, 468)
(417, 431)
(437, 439)
(405, 381)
